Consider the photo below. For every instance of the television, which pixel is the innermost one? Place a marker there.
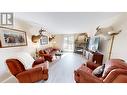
(94, 43)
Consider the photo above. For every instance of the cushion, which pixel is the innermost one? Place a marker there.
(99, 71)
(38, 61)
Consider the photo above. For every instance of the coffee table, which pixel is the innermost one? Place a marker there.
(58, 54)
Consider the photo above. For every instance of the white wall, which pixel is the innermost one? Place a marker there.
(58, 41)
(30, 28)
(119, 49)
(22, 25)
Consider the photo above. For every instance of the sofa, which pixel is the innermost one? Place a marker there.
(37, 72)
(113, 71)
(48, 53)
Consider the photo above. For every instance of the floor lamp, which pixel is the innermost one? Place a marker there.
(110, 33)
(112, 41)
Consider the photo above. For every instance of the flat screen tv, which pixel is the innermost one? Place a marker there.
(94, 44)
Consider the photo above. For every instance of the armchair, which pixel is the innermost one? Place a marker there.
(37, 73)
(115, 71)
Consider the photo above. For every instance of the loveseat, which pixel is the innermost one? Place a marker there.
(113, 71)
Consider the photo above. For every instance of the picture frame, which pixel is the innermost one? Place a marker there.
(44, 40)
(12, 37)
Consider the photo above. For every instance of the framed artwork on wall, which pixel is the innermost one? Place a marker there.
(12, 37)
(44, 40)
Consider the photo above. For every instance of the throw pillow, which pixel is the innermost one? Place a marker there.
(99, 71)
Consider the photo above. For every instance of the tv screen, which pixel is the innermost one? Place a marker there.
(94, 43)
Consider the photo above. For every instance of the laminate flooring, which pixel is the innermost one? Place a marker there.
(62, 71)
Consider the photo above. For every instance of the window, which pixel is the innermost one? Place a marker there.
(68, 43)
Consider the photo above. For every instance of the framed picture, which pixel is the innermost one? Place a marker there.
(12, 37)
(44, 40)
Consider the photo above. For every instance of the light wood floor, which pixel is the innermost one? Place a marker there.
(62, 71)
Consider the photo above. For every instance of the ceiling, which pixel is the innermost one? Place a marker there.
(66, 22)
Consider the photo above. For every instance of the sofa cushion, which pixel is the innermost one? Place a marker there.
(98, 71)
(113, 64)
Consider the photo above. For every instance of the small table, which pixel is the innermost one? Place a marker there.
(58, 54)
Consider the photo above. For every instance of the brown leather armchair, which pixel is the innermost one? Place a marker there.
(37, 73)
(115, 71)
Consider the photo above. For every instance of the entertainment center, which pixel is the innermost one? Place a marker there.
(92, 51)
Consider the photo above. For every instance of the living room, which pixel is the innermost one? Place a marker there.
(70, 37)
(61, 47)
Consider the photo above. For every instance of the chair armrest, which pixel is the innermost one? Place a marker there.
(39, 60)
(45, 67)
(86, 77)
(92, 65)
(30, 75)
(116, 76)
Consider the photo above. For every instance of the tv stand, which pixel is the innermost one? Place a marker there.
(93, 56)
